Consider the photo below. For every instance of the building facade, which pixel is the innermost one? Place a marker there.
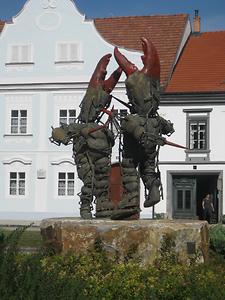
(197, 92)
(48, 54)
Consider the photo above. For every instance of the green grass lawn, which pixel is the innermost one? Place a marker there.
(29, 239)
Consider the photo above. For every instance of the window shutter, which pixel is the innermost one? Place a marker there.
(73, 52)
(20, 54)
(14, 54)
(67, 52)
(26, 53)
(62, 52)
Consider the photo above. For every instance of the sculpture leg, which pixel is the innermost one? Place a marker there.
(130, 203)
(85, 173)
(104, 205)
(151, 181)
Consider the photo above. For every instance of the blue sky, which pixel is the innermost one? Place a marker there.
(212, 12)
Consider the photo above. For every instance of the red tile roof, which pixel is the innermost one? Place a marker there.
(165, 31)
(201, 67)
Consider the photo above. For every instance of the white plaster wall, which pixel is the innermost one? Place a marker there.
(33, 25)
(42, 89)
(178, 118)
(217, 140)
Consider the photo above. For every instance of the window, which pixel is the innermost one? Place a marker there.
(17, 183)
(119, 115)
(65, 184)
(18, 121)
(123, 112)
(67, 52)
(67, 116)
(20, 54)
(18, 112)
(198, 135)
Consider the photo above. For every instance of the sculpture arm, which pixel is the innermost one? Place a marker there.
(65, 133)
(166, 126)
(148, 140)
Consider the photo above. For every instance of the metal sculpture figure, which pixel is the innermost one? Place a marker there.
(142, 132)
(92, 143)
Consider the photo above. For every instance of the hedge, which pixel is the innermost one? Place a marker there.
(45, 275)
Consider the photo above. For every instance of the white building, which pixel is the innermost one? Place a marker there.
(48, 54)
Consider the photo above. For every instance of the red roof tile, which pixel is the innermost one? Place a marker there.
(165, 31)
(201, 67)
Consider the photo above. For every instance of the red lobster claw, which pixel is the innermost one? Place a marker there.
(150, 61)
(98, 77)
(128, 67)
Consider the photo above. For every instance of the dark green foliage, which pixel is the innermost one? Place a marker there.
(8, 262)
(167, 250)
(44, 276)
(217, 238)
(223, 219)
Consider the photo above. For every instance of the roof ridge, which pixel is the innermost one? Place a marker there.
(142, 16)
(215, 31)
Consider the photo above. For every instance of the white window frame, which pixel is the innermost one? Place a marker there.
(202, 142)
(199, 114)
(17, 165)
(64, 165)
(17, 183)
(65, 178)
(18, 121)
(65, 101)
(69, 118)
(18, 102)
(68, 55)
(18, 57)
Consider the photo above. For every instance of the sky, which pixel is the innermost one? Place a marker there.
(212, 12)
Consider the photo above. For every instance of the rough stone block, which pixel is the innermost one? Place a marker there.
(143, 237)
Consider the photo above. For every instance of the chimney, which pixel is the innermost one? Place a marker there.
(196, 23)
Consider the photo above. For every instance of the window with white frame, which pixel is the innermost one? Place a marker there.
(20, 54)
(65, 184)
(198, 134)
(18, 121)
(18, 114)
(67, 116)
(67, 52)
(17, 183)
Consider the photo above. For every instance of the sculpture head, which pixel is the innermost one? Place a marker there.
(98, 92)
(142, 85)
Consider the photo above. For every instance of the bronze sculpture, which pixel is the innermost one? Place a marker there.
(92, 143)
(142, 132)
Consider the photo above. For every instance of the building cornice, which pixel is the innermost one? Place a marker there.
(48, 86)
(222, 162)
(208, 98)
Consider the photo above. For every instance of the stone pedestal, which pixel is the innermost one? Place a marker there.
(142, 238)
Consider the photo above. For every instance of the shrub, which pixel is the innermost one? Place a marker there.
(44, 276)
(217, 238)
(223, 219)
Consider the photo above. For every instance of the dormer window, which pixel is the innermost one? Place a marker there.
(20, 54)
(68, 52)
